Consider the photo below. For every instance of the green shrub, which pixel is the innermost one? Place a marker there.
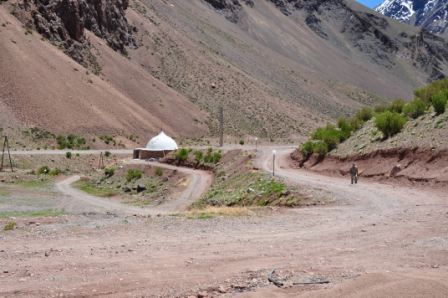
(216, 157)
(241, 142)
(133, 174)
(181, 155)
(320, 148)
(355, 123)
(212, 156)
(428, 92)
(329, 134)
(380, 109)
(198, 156)
(415, 108)
(10, 226)
(109, 172)
(70, 142)
(397, 106)
(68, 155)
(439, 101)
(107, 153)
(389, 123)
(365, 114)
(159, 171)
(55, 172)
(44, 170)
(108, 140)
(307, 148)
(345, 129)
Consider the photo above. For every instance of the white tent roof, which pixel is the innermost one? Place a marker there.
(161, 142)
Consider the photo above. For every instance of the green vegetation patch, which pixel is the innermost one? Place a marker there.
(10, 226)
(71, 142)
(389, 119)
(390, 123)
(91, 188)
(37, 213)
(249, 189)
(37, 183)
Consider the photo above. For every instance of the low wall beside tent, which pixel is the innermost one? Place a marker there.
(158, 147)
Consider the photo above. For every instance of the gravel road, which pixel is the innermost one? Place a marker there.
(375, 240)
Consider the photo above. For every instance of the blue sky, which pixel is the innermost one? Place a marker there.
(370, 3)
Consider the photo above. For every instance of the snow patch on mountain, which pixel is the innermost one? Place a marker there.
(432, 15)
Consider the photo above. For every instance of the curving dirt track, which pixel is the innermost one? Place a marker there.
(198, 183)
(375, 240)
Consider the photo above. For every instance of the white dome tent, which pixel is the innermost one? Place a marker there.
(161, 142)
(157, 147)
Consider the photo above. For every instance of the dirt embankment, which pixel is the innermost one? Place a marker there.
(416, 165)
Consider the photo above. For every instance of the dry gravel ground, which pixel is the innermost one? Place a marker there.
(374, 240)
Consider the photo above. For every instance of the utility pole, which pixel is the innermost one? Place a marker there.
(274, 152)
(6, 147)
(221, 126)
(101, 161)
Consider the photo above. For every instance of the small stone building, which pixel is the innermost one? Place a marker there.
(157, 147)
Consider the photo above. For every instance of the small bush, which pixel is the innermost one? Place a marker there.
(10, 226)
(389, 123)
(439, 101)
(133, 174)
(320, 148)
(307, 148)
(109, 172)
(415, 108)
(182, 155)
(159, 171)
(55, 172)
(44, 170)
(107, 153)
(108, 140)
(380, 109)
(212, 156)
(397, 106)
(365, 114)
(68, 155)
(198, 156)
(71, 142)
(241, 142)
(345, 129)
(328, 134)
(216, 157)
(355, 123)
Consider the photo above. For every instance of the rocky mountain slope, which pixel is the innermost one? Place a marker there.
(432, 15)
(279, 68)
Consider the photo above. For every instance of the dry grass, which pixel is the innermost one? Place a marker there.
(211, 212)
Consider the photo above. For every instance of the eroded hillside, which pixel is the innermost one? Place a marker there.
(278, 68)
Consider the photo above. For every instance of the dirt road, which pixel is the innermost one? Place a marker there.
(374, 241)
(197, 184)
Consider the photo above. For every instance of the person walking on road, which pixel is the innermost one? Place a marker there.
(354, 173)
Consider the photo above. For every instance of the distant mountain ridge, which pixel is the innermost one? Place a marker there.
(431, 15)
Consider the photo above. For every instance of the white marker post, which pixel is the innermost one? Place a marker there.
(274, 152)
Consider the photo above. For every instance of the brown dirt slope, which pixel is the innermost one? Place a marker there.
(42, 86)
(272, 71)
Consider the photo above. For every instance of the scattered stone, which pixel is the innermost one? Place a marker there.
(140, 188)
(222, 290)
(126, 189)
(47, 254)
